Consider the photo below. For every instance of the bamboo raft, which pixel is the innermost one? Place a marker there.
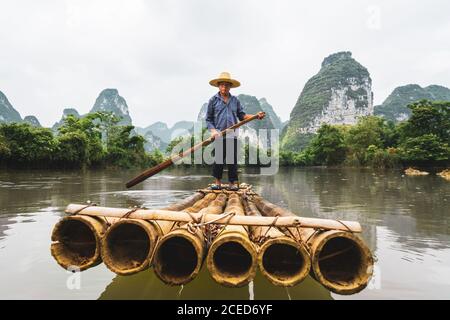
(233, 232)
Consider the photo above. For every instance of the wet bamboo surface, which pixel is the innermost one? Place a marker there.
(182, 216)
(340, 260)
(80, 241)
(232, 256)
(281, 259)
(179, 254)
(234, 232)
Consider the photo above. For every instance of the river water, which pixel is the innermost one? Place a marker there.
(406, 222)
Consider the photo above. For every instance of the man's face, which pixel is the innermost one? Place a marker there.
(224, 88)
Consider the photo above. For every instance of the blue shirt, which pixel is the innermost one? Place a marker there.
(221, 115)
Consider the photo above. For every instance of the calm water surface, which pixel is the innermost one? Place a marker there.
(406, 223)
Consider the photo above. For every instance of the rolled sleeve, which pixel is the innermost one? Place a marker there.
(240, 111)
(210, 121)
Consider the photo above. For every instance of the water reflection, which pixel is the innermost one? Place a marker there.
(146, 285)
(405, 220)
(415, 208)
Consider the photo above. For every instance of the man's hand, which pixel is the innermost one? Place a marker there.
(215, 133)
(260, 115)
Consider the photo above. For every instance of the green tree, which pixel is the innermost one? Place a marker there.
(369, 131)
(27, 144)
(5, 152)
(286, 158)
(126, 149)
(106, 122)
(382, 158)
(425, 136)
(428, 117)
(78, 143)
(72, 149)
(427, 147)
(156, 156)
(327, 147)
(90, 127)
(390, 135)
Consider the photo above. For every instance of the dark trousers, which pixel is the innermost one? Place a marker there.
(225, 152)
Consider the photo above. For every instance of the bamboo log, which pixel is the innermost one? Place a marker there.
(200, 204)
(341, 261)
(174, 158)
(216, 206)
(179, 254)
(281, 259)
(128, 245)
(76, 241)
(231, 259)
(185, 203)
(165, 215)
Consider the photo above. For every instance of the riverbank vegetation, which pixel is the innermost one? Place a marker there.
(91, 141)
(422, 140)
(96, 140)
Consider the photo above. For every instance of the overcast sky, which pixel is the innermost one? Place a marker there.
(160, 55)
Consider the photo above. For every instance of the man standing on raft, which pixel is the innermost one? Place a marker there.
(225, 110)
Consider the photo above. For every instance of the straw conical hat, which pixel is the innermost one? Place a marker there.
(225, 77)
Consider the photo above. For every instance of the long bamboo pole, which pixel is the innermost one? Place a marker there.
(165, 164)
(201, 204)
(166, 215)
(185, 203)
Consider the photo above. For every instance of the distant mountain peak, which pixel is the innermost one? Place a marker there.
(336, 57)
(159, 124)
(268, 109)
(66, 112)
(395, 107)
(338, 94)
(164, 133)
(7, 111)
(4, 101)
(70, 111)
(109, 100)
(32, 120)
(154, 142)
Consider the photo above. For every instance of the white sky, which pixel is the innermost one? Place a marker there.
(160, 55)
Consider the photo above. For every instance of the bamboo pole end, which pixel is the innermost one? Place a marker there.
(341, 261)
(128, 245)
(284, 261)
(232, 259)
(76, 242)
(179, 256)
